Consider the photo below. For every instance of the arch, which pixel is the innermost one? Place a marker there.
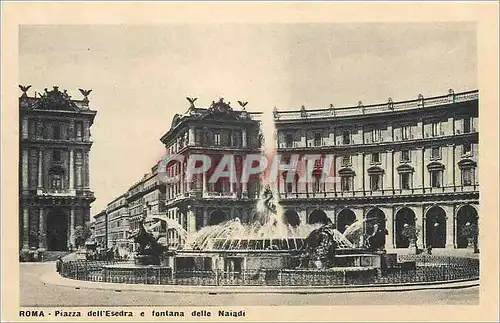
(435, 227)
(57, 230)
(466, 214)
(292, 218)
(374, 216)
(318, 216)
(405, 216)
(217, 217)
(345, 218)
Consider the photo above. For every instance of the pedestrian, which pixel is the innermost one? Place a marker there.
(59, 263)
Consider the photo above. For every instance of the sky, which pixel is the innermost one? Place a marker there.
(140, 76)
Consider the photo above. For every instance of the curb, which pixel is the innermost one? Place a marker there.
(55, 279)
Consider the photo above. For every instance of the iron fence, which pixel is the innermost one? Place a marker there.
(409, 269)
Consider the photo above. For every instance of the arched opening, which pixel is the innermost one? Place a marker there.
(344, 219)
(57, 230)
(374, 216)
(435, 227)
(405, 216)
(217, 217)
(466, 217)
(318, 216)
(292, 218)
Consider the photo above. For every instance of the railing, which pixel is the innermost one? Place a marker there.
(382, 192)
(420, 103)
(409, 269)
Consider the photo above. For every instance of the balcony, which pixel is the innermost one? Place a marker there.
(55, 192)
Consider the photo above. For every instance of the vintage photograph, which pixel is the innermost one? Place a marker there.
(249, 164)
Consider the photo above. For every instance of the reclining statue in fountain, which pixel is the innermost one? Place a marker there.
(149, 251)
(319, 247)
(376, 241)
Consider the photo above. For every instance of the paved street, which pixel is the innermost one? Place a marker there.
(35, 292)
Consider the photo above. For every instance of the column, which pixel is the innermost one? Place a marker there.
(420, 226)
(42, 230)
(40, 168)
(450, 226)
(24, 127)
(205, 217)
(389, 225)
(389, 131)
(71, 170)
(360, 173)
(72, 226)
(450, 165)
(182, 178)
(86, 178)
(418, 182)
(26, 219)
(244, 138)
(86, 130)
(420, 130)
(389, 171)
(191, 136)
(24, 157)
(205, 186)
(191, 219)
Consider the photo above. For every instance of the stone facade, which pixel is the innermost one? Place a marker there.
(412, 162)
(214, 132)
(54, 181)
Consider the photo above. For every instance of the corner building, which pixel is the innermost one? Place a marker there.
(213, 131)
(54, 179)
(412, 162)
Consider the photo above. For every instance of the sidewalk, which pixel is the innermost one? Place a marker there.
(55, 279)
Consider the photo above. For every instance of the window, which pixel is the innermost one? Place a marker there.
(405, 132)
(56, 131)
(467, 175)
(435, 153)
(375, 182)
(435, 129)
(289, 140)
(376, 135)
(405, 181)
(56, 182)
(317, 139)
(345, 183)
(375, 158)
(436, 178)
(405, 156)
(289, 187)
(346, 137)
(467, 125)
(217, 139)
(56, 156)
(346, 161)
(467, 149)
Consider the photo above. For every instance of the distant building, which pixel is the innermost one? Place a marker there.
(54, 179)
(101, 229)
(118, 222)
(412, 162)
